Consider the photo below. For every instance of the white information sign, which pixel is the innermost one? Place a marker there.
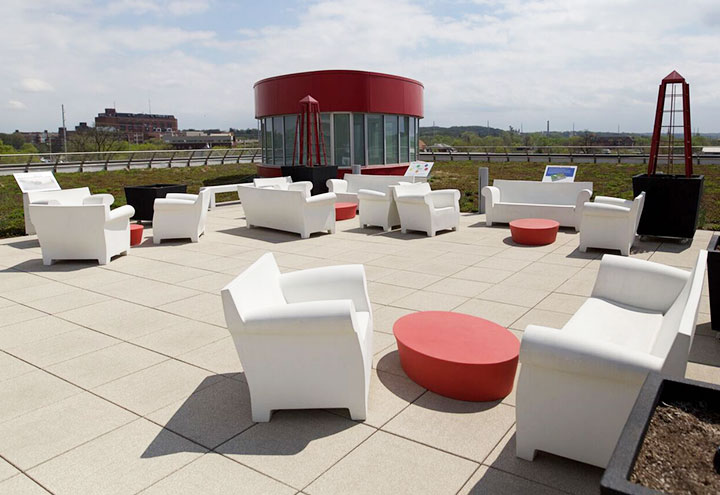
(559, 173)
(36, 181)
(419, 169)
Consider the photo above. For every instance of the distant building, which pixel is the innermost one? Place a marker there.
(137, 127)
(199, 140)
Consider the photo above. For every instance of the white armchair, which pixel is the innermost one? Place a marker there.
(611, 223)
(578, 385)
(422, 209)
(80, 232)
(378, 208)
(304, 338)
(180, 216)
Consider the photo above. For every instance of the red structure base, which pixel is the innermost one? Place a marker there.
(456, 355)
(345, 211)
(136, 234)
(534, 231)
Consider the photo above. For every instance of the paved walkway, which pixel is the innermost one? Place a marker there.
(123, 378)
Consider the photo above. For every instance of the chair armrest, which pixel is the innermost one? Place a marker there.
(606, 210)
(570, 353)
(184, 196)
(302, 318)
(329, 282)
(627, 203)
(444, 197)
(125, 211)
(639, 283)
(336, 185)
(321, 199)
(583, 197)
(99, 199)
(418, 199)
(166, 204)
(492, 193)
(304, 186)
(373, 195)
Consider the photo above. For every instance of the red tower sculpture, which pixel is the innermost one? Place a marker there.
(673, 80)
(308, 134)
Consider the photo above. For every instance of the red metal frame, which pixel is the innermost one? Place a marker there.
(671, 79)
(309, 129)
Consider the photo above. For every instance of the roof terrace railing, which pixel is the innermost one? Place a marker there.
(117, 160)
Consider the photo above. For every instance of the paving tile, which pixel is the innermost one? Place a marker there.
(388, 360)
(7, 470)
(519, 296)
(546, 282)
(430, 301)
(500, 313)
(34, 330)
(389, 464)
(381, 341)
(295, 447)
(459, 287)
(21, 485)
(489, 480)
(152, 388)
(220, 357)
(148, 293)
(35, 292)
(500, 263)
(101, 312)
(105, 365)
(210, 415)
(213, 282)
(181, 338)
(482, 274)
(66, 301)
(563, 474)
(468, 429)
(577, 285)
(62, 347)
(552, 319)
(18, 313)
(195, 307)
(385, 293)
(562, 303)
(47, 432)
(31, 391)
(386, 316)
(413, 280)
(214, 474)
(125, 460)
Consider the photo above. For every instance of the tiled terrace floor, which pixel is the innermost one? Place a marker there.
(123, 379)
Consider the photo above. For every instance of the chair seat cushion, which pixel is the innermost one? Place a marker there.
(619, 324)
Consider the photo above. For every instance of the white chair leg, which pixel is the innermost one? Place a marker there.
(194, 238)
(156, 240)
(47, 261)
(523, 451)
(103, 260)
(358, 413)
(582, 249)
(403, 231)
(304, 235)
(260, 415)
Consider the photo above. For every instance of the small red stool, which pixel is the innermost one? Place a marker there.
(345, 211)
(136, 232)
(456, 355)
(534, 231)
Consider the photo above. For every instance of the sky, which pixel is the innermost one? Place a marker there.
(591, 64)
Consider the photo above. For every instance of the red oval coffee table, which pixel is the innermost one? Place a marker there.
(534, 231)
(345, 211)
(456, 355)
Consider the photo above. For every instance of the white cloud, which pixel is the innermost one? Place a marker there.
(15, 105)
(32, 85)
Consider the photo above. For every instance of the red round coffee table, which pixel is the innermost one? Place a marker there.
(345, 211)
(534, 231)
(136, 232)
(456, 355)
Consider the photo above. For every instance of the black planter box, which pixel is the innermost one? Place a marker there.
(672, 204)
(142, 198)
(317, 175)
(713, 266)
(656, 388)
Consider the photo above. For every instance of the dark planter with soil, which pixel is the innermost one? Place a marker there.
(713, 265)
(669, 441)
(317, 175)
(672, 204)
(142, 198)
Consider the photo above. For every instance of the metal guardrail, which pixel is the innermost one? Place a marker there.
(127, 160)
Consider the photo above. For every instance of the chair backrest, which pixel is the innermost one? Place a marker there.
(69, 224)
(678, 327)
(274, 182)
(276, 205)
(544, 193)
(372, 182)
(416, 189)
(257, 287)
(64, 196)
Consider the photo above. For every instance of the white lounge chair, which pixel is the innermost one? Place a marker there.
(180, 216)
(378, 208)
(423, 209)
(611, 223)
(578, 385)
(304, 338)
(89, 231)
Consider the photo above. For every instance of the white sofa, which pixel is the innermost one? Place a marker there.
(284, 183)
(288, 210)
(81, 232)
(346, 189)
(304, 338)
(180, 216)
(508, 200)
(611, 223)
(420, 208)
(578, 385)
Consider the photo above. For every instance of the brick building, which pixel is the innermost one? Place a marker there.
(137, 127)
